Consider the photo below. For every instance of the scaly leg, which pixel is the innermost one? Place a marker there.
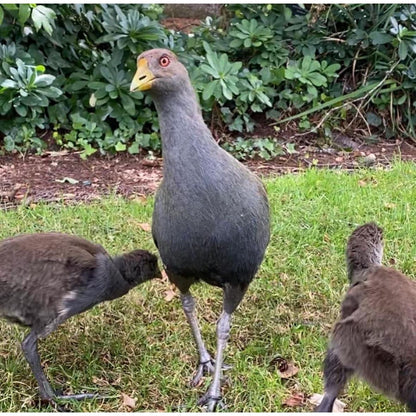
(30, 350)
(232, 298)
(336, 376)
(206, 363)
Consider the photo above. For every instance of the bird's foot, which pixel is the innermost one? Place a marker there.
(207, 367)
(57, 406)
(211, 402)
(55, 401)
(80, 396)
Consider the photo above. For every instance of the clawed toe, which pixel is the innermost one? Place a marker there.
(57, 398)
(203, 368)
(80, 396)
(58, 407)
(211, 403)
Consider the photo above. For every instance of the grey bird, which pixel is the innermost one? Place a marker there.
(211, 214)
(375, 337)
(46, 278)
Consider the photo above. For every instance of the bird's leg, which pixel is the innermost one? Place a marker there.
(206, 363)
(336, 376)
(47, 394)
(30, 350)
(232, 298)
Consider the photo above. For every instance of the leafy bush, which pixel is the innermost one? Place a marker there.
(67, 69)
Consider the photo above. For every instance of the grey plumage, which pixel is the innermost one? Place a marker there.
(48, 277)
(375, 336)
(211, 214)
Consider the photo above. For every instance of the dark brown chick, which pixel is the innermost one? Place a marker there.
(47, 278)
(375, 337)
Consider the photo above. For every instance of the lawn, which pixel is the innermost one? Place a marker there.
(140, 345)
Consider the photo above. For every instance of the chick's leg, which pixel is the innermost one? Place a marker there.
(30, 350)
(232, 297)
(336, 376)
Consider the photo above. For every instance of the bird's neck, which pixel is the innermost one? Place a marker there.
(180, 119)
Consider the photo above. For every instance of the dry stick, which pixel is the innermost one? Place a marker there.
(362, 117)
(354, 64)
(372, 92)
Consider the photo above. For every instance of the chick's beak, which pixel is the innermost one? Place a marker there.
(143, 78)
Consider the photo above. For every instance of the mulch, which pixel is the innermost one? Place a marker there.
(65, 177)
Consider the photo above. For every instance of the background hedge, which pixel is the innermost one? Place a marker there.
(65, 73)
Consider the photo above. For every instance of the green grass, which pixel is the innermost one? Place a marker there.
(141, 345)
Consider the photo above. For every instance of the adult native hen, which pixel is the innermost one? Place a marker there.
(211, 215)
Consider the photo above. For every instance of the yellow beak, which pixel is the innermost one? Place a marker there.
(143, 77)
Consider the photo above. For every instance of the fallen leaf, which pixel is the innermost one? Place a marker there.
(362, 183)
(169, 294)
(72, 181)
(285, 369)
(145, 226)
(290, 371)
(99, 381)
(389, 205)
(296, 399)
(128, 401)
(165, 277)
(57, 154)
(338, 406)
(339, 159)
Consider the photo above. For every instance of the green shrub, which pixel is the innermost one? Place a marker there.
(67, 69)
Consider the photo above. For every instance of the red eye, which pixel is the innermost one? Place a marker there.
(164, 61)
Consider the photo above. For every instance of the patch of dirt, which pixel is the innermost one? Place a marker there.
(185, 25)
(62, 176)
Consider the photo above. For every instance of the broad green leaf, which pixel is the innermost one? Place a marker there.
(134, 148)
(403, 50)
(128, 104)
(78, 85)
(44, 80)
(331, 69)
(120, 147)
(317, 79)
(1, 15)
(24, 14)
(10, 6)
(373, 119)
(43, 17)
(21, 110)
(209, 70)
(380, 38)
(226, 92)
(209, 90)
(235, 43)
(52, 92)
(96, 85)
(9, 83)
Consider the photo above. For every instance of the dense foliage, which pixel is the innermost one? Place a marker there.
(66, 69)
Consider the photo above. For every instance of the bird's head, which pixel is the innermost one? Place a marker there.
(159, 70)
(138, 266)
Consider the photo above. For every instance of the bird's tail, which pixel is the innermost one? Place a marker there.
(364, 249)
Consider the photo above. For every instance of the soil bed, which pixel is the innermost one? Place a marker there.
(62, 176)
